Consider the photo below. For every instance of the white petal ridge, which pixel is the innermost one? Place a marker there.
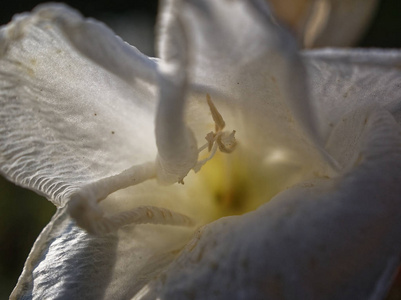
(68, 263)
(98, 43)
(344, 81)
(66, 121)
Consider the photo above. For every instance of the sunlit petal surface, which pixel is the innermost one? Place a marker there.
(68, 263)
(65, 121)
(296, 191)
(345, 81)
(250, 66)
(323, 239)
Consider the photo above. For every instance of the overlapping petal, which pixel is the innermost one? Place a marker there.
(345, 86)
(176, 144)
(66, 262)
(97, 42)
(345, 81)
(66, 122)
(251, 66)
(324, 239)
(90, 116)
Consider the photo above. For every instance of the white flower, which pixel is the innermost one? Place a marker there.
(305, 158)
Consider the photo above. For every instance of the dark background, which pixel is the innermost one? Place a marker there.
(384, 31)
(23, 214)
(90, 8)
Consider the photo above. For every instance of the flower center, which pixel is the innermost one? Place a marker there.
(237, 183)
(226, 185)
(220, 139)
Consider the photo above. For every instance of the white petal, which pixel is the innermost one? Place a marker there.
(251, 69)
(68, 263)
(65, 121)
(176, 144)
(345, 81)
(100, 44)
(326, 239)
(345, 140)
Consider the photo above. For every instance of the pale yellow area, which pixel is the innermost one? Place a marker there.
(231, 177)
(228, 184)
(236, 183)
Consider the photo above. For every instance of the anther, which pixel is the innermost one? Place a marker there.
(222, 140)
(227, 142)
(217, 118)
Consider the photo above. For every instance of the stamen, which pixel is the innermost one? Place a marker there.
(101, 225)
(142, 215)
(84, 208)
(202, 162)
(132, 176)
(217, 118)
(83, 205)
(226, 142)
(203, 147)
(222, 140)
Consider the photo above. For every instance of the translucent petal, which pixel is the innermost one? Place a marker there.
(176, 144)
(96, 41)
(65, 121)
(324, 239)
(344, 141)
(345, 81)
(68, 263)
(251, 69)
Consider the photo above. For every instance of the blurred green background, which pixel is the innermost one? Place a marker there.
(23, 214)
